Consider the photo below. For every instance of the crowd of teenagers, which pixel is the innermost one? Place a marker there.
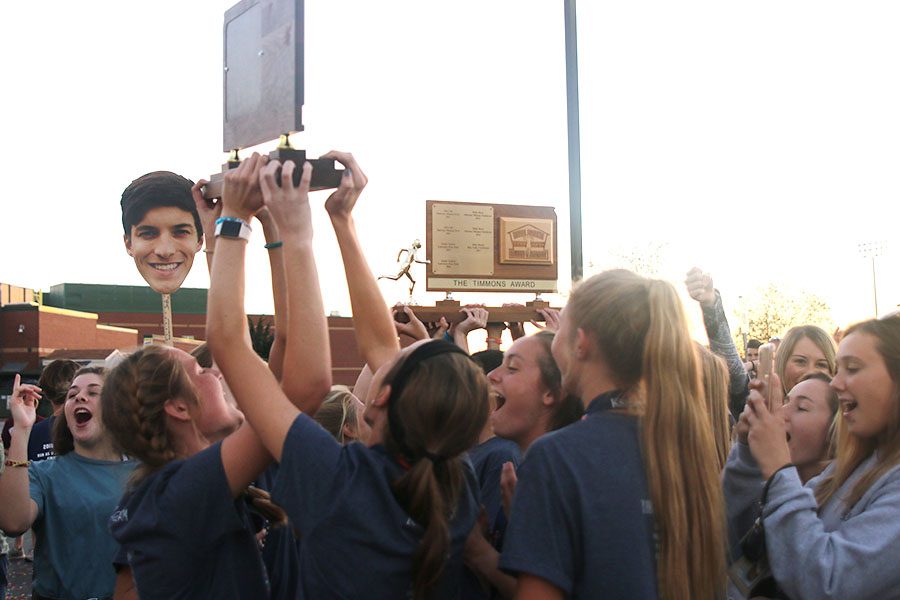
(607, 456)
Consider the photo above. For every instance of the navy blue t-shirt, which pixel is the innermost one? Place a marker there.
(40, 442)
(488, 459)
(281, 550)
(356, 541)
(581, 515)
(185, 536)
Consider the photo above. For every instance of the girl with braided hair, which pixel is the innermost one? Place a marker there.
(68, 500)
(403, 505)
(183, 523)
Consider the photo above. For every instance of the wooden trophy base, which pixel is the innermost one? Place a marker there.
(450, 310)
(324, 176)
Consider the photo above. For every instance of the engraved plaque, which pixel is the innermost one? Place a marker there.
(489, 247)
(462, 239)
(526, 241)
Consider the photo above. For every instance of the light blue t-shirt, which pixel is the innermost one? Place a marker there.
(73, 547)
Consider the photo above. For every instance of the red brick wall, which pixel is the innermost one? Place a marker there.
(149, 324)
(67, 331)
(114, 338)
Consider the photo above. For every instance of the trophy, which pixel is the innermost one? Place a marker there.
(482, 247)
(263, 88)
(407, 264)
(263, 101)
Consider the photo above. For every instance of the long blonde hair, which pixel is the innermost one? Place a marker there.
(715, 389)
(852, 451)
(641, 333)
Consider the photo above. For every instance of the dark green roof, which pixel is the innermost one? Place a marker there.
(91, 297)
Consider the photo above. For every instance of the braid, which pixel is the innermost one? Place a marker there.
(134, 402)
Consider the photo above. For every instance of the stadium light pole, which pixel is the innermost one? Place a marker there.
(574, 139)
(872, 250)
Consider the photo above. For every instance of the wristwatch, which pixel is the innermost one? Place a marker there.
(232, 227)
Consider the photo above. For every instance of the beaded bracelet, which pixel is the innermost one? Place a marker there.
(17, 463)
(495, 340)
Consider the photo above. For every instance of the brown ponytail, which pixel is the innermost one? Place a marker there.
(443, 407)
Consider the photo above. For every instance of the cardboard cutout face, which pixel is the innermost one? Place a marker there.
(163, 244)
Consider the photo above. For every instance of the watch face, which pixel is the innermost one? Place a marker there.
(231, 229)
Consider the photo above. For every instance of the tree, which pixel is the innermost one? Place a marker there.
(772, 310)
(261, 335)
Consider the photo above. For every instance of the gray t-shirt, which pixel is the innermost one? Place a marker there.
(73, 548)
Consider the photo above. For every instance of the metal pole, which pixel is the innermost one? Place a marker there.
(574, 141)
(874, 287)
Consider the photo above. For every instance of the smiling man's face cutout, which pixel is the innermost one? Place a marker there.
(162, 229)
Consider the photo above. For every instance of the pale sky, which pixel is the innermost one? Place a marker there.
(759, 141)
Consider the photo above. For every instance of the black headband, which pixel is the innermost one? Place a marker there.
(416, 357)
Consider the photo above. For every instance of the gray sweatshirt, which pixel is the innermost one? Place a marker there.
(832, 553)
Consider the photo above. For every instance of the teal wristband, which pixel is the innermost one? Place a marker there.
(273, 245)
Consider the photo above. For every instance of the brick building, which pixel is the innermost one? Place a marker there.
(84, 322)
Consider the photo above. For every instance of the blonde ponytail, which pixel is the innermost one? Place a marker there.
(680, 457)
(641, 334)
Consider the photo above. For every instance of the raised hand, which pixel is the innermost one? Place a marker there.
(551, 319)
(767, 436)
(438, 329)
(516, 329)
(341, 202)
(23, 403)
(288, 205)
(413, 328)
(209, 211)
(476, 318)
(700, 287)
(241, 196)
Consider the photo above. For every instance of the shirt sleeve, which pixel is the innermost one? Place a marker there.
(743, 484)
(309, 466)
(858, 560)
(722, 344)
(541, 537)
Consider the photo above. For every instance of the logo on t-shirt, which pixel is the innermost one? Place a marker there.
(120, 516)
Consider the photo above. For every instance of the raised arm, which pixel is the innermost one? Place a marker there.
(243, 455)
(275, 247)
(254, 386)
(307, 356)
(209, 211)
(700, 287)
(372, 321)
(17, 510)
